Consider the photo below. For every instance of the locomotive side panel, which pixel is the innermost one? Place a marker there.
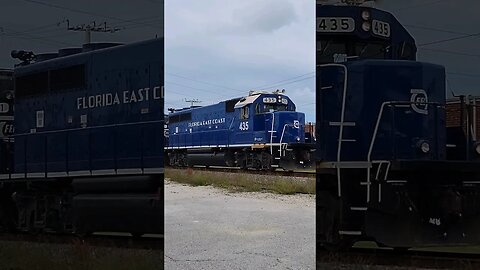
(98, 123)
(373, 112)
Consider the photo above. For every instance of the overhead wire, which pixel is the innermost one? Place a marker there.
(420, 5)
(86, 12)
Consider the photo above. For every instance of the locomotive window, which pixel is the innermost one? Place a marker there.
(327, 49)
(275, 108)
(230, 105)
(370, 50)
(180, 118)
(407, 51)
(67, 78)
(244, 114)
(266, 108)
(33, 84)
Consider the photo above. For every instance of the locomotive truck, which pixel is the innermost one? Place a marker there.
(85, 153)
(384, 172)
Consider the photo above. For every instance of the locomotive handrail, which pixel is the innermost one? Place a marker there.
(374, 137)
(271, 133)
(281, 139)
(379, 118)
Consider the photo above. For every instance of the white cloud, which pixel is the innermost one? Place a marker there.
(239, 44)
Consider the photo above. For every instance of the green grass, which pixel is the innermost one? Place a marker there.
(238, 182)
(77, 256)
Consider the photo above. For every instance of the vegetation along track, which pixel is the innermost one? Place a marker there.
(98, 240)
(410, 259)
(278, 172)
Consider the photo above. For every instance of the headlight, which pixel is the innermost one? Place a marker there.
(425, 147)
(297, 138)
(366, 26)
(366, 15)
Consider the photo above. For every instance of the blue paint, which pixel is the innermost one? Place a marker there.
(215, 125)
(402, 127)
(107, 115)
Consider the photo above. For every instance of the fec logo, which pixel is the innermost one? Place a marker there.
(419, 100)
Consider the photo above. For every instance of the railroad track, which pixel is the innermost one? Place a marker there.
(98, 240)
(277, 172)
(413, 259)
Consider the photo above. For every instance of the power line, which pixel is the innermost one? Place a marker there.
(449, 39)
(89, 28)
(295, 81)
(450, 52)
(270, 85)
(420, 5)
(208, 83)
(139, 21)
(429, 28)
(32, 37)
(85, 12)
(274, 83)
(34, 29)
(194, 88)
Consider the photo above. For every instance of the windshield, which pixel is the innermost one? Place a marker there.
(327, 49)
(265, 108)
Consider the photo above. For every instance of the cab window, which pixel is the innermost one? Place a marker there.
(244, 113)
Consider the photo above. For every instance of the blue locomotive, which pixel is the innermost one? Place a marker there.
(260, 131)
(87, 150)
(384, 172)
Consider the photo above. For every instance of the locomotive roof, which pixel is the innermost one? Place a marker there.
(75, 58)
(247, 100)
(242, 101)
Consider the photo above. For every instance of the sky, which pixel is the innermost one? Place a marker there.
(221, 49)
(41, 25)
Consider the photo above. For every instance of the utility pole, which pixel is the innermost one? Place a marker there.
(92, 27)
(192, 101)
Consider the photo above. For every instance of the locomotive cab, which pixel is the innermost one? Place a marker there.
(261, 114)
(347, 32)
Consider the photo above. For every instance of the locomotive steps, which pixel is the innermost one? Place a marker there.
(243, 181)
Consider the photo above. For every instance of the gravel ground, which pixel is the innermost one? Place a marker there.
(210, 228)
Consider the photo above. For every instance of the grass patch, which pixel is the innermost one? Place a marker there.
(238, 182)
(77, 256)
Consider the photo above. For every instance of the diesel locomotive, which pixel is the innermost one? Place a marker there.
(261, 131)
(389, 169)
(85, 152)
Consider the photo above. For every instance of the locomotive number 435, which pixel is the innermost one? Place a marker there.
(335, 24)
(243, 126)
